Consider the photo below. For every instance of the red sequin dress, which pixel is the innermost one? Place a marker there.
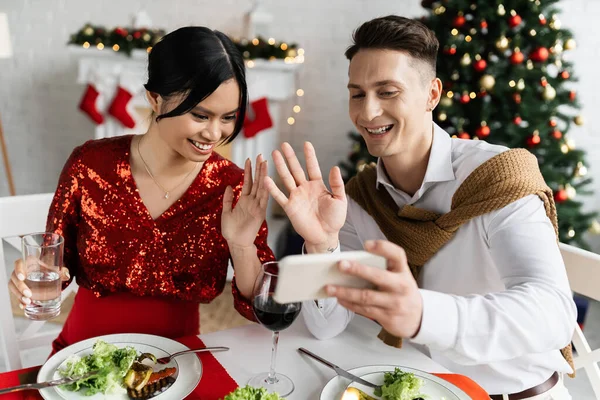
(136, 274)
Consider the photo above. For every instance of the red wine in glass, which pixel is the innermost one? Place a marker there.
(275, 317)
(272, 315)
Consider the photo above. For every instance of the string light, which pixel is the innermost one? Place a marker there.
(86, 45)
(116, 47)
(291, 121)
(300, 92)
(283, 46)
(100, 46)
(255, 41)
(297, 109)
(250, 64)
(271, 41)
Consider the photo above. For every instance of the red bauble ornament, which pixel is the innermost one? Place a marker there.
(517, 98)
(514, 20)
(561, 196)
(451, 51)
(121, 32)
(533, 140)
(543, 82)
(552, 123)
(542, 20)
(459, 21)
(540, 54)
(480, 65)
(465, 98)
(137, 34)
(556, 134)
(517, 120)
(484, 24)
(464, 135)
(565, 75)
(516, 57)
(572, 95)
(482, 132)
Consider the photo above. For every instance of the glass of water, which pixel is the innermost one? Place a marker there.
(43, 258)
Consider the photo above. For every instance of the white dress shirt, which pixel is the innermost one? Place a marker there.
(496, 300)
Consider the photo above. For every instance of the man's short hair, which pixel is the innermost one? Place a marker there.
(397, 33)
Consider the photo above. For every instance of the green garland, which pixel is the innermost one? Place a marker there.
(118, 39)
(268, 49)
(121, 39)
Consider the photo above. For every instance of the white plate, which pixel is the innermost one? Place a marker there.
(434, 388)
(189, 368)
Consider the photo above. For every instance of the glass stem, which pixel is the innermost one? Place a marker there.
(272, 379)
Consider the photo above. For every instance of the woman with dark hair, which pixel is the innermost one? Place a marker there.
(150, 221)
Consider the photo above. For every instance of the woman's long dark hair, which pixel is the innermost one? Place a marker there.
(193, 61)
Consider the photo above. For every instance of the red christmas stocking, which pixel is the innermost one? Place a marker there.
(260, 118)
(88, 104)
(118, 108)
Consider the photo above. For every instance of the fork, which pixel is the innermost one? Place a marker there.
(167, 359)
(42, 385)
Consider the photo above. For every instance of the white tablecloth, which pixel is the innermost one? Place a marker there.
(357, 346)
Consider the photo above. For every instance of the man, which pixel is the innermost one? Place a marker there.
(473, 222)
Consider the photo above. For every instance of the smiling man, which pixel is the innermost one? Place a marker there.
(468, 228)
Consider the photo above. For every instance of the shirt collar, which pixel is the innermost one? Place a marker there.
(439, 166)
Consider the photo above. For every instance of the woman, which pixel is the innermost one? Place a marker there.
(147, 219)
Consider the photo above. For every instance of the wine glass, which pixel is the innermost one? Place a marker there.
(275, 317)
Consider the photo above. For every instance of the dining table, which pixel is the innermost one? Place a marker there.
(250, 354)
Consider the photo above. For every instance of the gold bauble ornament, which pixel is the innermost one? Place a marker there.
(529, 65)
(502, 43)
(487, 82)
(570, 44)
(549, 93)
(146, 37)
(555, 23)
(88, 31)
(595, 227)
(571, 192)
(446, 101)
(581, 170)
(360, 165)
(578, 120)
(466, 59)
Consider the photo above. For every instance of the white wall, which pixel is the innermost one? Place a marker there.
(39, 96)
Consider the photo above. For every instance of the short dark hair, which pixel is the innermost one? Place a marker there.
(396, 33)
(193, 61)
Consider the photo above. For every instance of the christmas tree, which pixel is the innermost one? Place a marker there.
(508, 80)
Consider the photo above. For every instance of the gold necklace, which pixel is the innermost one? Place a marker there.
(167, 192)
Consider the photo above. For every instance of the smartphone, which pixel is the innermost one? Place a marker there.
(303, 277)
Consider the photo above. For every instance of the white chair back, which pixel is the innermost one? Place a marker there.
(583, 270)
(20, 215)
